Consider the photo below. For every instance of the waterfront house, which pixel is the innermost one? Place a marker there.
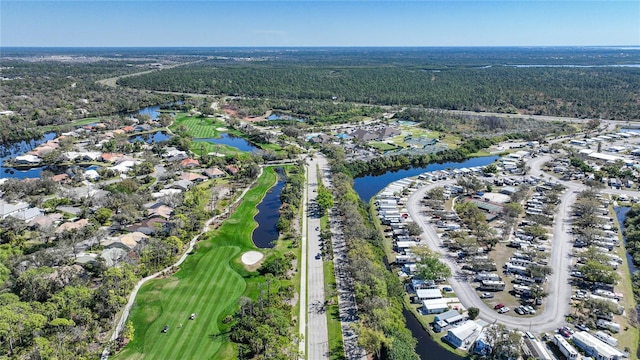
(463, 335)
(448, 319)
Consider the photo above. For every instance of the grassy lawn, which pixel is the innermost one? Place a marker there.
(629, 336)
(382, 146)
(208, 283)
(336, 349)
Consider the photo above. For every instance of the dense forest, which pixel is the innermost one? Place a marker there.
(458, 83)
(54, 93)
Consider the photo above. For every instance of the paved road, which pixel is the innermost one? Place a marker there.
(317, 332)
(347, 307)
(557, 304)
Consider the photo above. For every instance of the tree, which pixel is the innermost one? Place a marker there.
(473, 312)
(597, 272)
(324, 199)
(431, 268)
(371, 340)
(505, 344)
(413, 229)
(103, 215)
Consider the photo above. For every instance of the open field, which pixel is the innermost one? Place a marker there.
(209, 283)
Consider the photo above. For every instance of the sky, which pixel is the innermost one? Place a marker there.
(318, 23)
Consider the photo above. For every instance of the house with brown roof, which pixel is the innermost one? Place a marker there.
(126, 242)
(149, 226)
(232, 169)
(160, 210)
(76, 225)
(61, 178)
(214, 173)
(128, 129)
(189, 176)
(110, 157)
(189, 163)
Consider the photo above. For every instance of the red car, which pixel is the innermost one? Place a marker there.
(498, 306)
(564, 333)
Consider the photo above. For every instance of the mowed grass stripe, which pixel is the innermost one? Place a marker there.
(195, 339)
(209, 308)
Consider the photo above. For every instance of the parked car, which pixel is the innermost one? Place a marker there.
(520, 310)
(582, 327)
(564, 333)
(486, 296)
(498, 306)
(165, 329)
(503, 310)
(318, 256)
(530, 310)
(568, 329)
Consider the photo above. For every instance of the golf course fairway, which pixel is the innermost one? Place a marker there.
(208, 283)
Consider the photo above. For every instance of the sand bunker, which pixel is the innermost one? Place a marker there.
(221, 129)
(251, 257)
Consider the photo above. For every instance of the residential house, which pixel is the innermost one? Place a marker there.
(435, 306)
(45, 221)
(27, 160)
(126, 242)
(193, 177)
(232, 169)
(75, 225)
(149, 226)
(113, 256)
(214, 173)
(428, 294)
(61, 178)
(27, 214)
(183, 185)
(447, 320)
(7, 209)
(161, 210)
(189, 163)
(463, 335)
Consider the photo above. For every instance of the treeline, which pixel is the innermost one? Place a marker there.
(596, 92)
(382, 164)
(632, 233)
(382, 329)
(291, 198)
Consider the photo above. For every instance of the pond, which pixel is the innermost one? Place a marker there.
(267, 218)
(368, 186)
(151, 138)
(279, 116)
(231, 140)
(17, 149)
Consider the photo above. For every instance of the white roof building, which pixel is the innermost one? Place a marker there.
(435, 306)
(596, 348)
(463, 335)
(426, 294)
